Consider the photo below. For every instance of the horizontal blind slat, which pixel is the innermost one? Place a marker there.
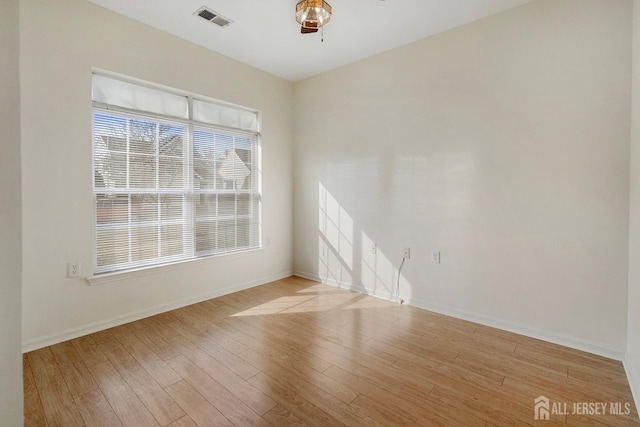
(161, 199)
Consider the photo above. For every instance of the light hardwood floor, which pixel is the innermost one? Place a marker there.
(295, 352)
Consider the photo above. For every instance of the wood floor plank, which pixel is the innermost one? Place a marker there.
(481, 408)
(257, 340)
(592, 371)
(276, 367)
(372, 361)
(232, 361)
(439, 323)
(185, 421)
(73, 369)
(524, 393)
(598, 421)
(251, 396)
(87, 349)
(152, 339)
(263, 328)
(281, 416)
(572, 388)
(399, 347)
(214, 332)
(57, 401)
(462, 342)
(290, 398)
(381, 413)
(203, 413)
(506, 364)
(125, 403)
(299, 353)
(423, 358)
(446, 373)
(149, 360)
(102, 337)
(418, 409)
(293, 356)
(163, 408)
(276, 364)
(532, 346)
(33, 410)
(96, 410)
(227, 403)
(368, 325)
(343, 340)
(609, 380)
(331, 322)
(187, 316)
(416, 393)
(320, 398)
(157, 324)
(352, 362)
(218, 309)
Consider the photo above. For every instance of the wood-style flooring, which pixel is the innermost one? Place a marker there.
(296, 353)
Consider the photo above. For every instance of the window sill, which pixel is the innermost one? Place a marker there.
(118, 276)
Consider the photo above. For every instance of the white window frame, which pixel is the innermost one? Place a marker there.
(189, 220)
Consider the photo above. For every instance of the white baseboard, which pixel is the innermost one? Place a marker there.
(62, 336)
(562, 340)
(633, 377)
(566, 341)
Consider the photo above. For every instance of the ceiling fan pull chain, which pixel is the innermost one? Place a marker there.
(322, 39)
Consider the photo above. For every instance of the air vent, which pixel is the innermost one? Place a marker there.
(205, 13)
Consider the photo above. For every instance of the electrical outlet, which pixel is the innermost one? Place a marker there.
(435, 257)
(374, 248)
(73, 269)
(406, 253)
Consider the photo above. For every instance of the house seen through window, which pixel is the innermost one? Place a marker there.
(175, 177)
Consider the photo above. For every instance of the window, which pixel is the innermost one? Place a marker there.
(176, 177)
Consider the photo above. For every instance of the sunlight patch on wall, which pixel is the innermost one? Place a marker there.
(335, 260)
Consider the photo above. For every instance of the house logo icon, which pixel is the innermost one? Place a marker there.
(541, 408)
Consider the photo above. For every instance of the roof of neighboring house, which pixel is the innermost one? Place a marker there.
(228, 166)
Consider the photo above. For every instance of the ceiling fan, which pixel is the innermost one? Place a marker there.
(312, 15)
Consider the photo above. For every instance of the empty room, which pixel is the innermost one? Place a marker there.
(319, 212)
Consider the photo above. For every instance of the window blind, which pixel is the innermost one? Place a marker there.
(222, 115)
(169, 190)
(119, 93)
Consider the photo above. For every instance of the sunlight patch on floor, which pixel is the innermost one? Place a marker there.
(317, 299)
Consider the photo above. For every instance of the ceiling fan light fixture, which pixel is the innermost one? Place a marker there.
(313, 13)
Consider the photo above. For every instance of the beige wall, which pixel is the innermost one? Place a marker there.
(504, 144)
(632, 361)
(61, 42)
(10, 212)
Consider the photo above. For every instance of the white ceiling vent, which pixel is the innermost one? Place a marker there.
(205, 13)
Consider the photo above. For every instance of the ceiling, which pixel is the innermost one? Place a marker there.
(265, 33)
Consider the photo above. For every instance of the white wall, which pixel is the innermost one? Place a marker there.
(10, 211)
(60, 43)
(632, 360)
(504, 144)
